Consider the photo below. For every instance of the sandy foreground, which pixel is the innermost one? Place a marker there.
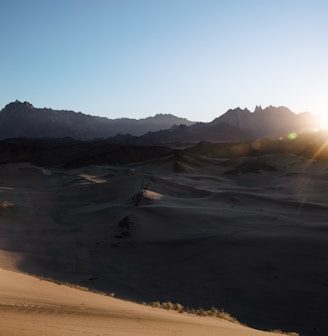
(29, 306)
(250, 241)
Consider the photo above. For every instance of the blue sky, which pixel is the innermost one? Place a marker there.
(192, 58)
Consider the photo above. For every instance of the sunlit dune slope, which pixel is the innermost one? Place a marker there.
(29, 307)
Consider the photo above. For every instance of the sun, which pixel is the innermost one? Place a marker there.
(322, 122)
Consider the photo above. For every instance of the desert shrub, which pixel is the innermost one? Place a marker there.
(278, 331)
(156, 304)
(200, 311)
(224, 315)
(178, 307)
(168, 305)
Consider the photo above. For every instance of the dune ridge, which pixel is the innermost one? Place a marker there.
(30, 306)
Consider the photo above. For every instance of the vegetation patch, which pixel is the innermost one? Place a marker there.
(199, 311)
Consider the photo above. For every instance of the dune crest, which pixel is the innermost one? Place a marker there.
(30, 306)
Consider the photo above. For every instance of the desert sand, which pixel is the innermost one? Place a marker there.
(226, 233)
(29, 306)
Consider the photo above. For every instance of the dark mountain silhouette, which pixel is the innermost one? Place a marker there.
(234, 126)
(24, 120)
(19, 119)
(269, 122)
(183, 134)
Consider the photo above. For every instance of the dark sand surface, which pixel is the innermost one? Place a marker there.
(244, 238)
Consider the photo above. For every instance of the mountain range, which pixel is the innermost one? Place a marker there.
(22, 119)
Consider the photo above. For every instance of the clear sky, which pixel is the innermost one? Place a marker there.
(192, 58)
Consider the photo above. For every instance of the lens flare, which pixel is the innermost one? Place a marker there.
(292, 136)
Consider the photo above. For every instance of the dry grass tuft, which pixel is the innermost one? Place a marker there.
(209, 312)
(200, 311)
(168, 305)
(278, 331)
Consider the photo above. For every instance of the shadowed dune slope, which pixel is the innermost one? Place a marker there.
(224, 233)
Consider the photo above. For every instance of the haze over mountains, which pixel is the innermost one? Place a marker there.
(19, 119)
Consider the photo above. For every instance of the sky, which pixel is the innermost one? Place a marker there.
(191, 58)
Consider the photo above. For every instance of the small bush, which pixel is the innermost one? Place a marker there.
(179, 307)
(278, 331)
(200, 311)
(156, 304)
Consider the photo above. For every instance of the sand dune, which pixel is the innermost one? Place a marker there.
(233, 234)
(29, 306)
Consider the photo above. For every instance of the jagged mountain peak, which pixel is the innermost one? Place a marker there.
(236, 117)
(239, 110)
(258, 110)
(270, 121)
(16, 105)
(22, 119)
(281, 110)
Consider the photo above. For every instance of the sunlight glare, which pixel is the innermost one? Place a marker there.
(323, 120)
